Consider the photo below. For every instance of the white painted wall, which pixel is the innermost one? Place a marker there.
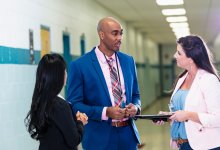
(131, 41)
(151, 51)
(216, 48)
(16, 88)
(74, 16)
(140, 47)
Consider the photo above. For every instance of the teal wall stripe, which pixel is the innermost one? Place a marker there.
(164, 66)
(140, 65)
(37, 56)
(9, 55)
(74, 57)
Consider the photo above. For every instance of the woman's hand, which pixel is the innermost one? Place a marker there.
(180, 116)
(82, 117)
(158, 122)
(161, 122)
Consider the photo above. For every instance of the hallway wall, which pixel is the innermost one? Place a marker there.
(17, 83)
(216, 51)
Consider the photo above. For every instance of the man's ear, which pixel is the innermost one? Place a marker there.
(101, 35)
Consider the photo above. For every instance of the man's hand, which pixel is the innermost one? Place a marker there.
(131, 110)
(115, 112)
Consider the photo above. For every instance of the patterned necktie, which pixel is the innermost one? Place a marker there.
(116, 87)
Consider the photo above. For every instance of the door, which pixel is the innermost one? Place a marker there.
(45, 40)
(66, 48)
(66, 54)
(82, 44)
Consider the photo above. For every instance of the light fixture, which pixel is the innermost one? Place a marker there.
(169, 2)
(181, 34)
(181, 31)
(177, 19)
(179, 25)
(185, 29)
(178, 11)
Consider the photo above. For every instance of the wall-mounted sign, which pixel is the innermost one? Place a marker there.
(31, 46)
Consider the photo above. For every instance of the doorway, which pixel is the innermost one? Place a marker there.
(45, 40)
(66, 54)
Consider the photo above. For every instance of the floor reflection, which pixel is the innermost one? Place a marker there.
(153, 136)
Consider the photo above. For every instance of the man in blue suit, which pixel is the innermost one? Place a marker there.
(103, 84)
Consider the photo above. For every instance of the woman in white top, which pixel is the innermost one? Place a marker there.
(196, 98)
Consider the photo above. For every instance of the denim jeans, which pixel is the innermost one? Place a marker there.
(186, 146)
(217, 148)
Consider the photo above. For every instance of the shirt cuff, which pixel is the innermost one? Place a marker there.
(138, 109)
(104, 116)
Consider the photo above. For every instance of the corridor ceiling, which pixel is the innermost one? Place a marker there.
(145, 15)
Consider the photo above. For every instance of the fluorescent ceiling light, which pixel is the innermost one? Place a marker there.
(176, 19)
(180, 29)
(179, 25)
(181, 33)
(169, 2)
(178, 11)
(178, 35)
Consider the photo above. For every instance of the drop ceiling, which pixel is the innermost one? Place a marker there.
(145, 15)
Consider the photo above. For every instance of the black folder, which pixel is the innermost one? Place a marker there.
(153, 117)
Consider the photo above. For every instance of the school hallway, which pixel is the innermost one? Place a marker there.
(32, 28)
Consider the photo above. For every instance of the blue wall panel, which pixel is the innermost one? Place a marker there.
(9, 55)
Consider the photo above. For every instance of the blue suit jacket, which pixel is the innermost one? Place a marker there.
(88, 93)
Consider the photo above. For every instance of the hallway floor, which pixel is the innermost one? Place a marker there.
(154, 137)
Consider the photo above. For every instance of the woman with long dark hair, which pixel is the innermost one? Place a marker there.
(195, 102)
(50, 119)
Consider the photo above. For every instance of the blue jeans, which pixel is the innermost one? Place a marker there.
(218, 148)
(186, 146)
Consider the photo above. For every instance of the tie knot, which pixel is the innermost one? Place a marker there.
(110, 60)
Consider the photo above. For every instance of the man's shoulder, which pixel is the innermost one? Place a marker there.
(124, 54)
(125, 57)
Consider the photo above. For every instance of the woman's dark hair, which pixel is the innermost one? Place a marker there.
(196, 49)
(50, 78)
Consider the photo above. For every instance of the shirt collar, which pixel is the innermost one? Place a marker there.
(101, 57)
(60, 96)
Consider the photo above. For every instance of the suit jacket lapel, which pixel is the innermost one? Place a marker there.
(98, 69)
